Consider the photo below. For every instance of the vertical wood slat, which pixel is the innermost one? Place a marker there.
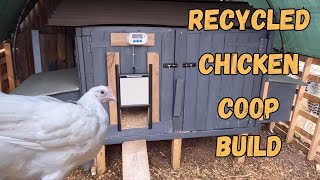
(9, 64)
(101, 161)
(153, 58)
(315, 142)
(298, 104)
(61, 51)
(113, 58)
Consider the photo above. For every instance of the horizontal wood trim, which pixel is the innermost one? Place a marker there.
(315, 61)
(311, 97)
(308, 116)
(313, 78)
(304, 133)
(120, 39)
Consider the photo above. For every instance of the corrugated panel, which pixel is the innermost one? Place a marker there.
(303, 42)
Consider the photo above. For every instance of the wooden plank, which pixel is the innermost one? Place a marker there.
(165, 43)
(190, 83)
(308, 116)
(2, 52)
(315, 142)
(4, 77)
(153, 58)
(311, 97)
(176, 153)
(70, 50)
(9, 64)
(121, 39)
(315, 61)
(61, 51)
(101, 160)
(179, 76)
(215, 84)
(314, 78)
(49, 52)
(202, 92)
(298, 104)
(242, 158)
(135, 162)
(36, 51)
(113, 58)
(2, 60)
(303, 133)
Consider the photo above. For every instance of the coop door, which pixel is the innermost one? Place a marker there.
(134, 91)
(197, 96)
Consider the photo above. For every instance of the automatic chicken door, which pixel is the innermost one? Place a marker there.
(134, 91)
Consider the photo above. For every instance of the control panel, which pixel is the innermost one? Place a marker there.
(137, 38)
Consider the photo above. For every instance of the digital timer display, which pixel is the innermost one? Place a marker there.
(137, 36)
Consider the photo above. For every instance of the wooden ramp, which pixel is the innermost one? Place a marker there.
(135, 162)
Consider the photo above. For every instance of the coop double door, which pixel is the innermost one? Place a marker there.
(196, 95)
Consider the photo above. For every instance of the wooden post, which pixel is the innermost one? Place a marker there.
(315, 142)
(113, 58)
(298, 104)
(153, 58)
(101, 161)
(9, 64)
(176, 153)
(243, 158)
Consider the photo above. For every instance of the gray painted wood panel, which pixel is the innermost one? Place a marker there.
(166, 75)
(191, 82)
(179, 73)
(215, 81)
(80, 64)
(202, 85)
(88, 64)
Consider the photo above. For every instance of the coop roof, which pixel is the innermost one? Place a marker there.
(120, 12)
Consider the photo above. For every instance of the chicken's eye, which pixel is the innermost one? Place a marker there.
(102, 92)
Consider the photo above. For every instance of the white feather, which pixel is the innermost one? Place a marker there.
(42, 137)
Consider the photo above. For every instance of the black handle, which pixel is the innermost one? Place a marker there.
(170, 65)
(185, 65)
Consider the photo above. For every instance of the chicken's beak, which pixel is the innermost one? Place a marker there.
(111, 97)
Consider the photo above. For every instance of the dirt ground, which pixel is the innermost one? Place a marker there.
(199, 162)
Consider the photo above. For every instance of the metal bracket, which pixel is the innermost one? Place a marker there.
(185, 65)
(170, 65)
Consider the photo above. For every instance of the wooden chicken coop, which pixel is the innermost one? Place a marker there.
(145, 53)
(149, 59)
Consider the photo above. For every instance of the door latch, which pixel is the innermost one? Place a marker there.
(170, 65)
(185, 65)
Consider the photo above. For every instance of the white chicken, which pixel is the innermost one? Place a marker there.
(44, 138)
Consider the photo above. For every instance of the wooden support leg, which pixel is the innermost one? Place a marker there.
(243, 158)
(176, 153)
(315, 142)
(101, 161)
